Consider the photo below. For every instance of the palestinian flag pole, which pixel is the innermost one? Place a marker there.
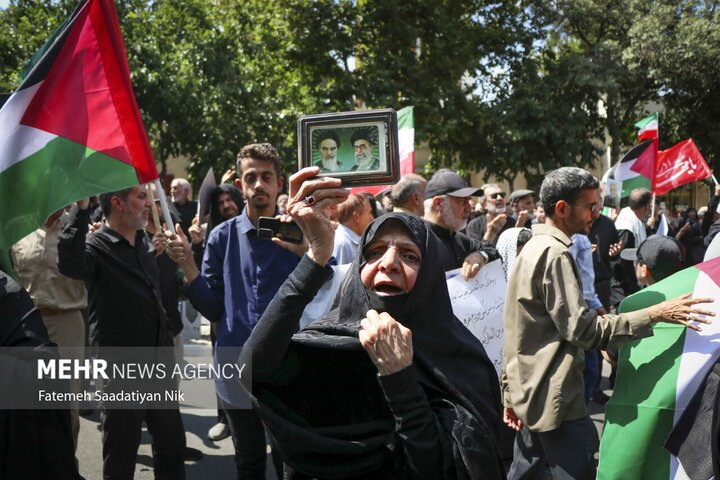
(406, 146)
(73, 128)
(656, 378)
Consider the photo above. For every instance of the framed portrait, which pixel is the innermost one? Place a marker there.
(613, 193)
(359, 147)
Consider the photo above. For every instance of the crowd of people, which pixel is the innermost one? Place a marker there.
(386, 382)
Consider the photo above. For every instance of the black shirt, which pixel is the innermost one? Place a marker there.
(454, 247)
(187, 212)
(122, 281)
(477, 227)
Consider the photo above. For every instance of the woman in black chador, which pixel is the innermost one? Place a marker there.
(389, 384)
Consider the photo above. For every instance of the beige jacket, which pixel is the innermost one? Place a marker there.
(548, 326)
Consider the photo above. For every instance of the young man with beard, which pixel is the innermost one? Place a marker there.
(241, 273)
(487, 228)
(547, 325)
(447, 208)
(123, 282)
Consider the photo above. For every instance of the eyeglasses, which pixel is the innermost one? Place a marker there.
(593, 207)
(497, 194)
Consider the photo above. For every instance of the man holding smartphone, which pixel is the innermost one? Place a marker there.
(241, 273)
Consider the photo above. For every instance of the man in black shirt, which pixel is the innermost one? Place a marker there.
(125, 310)
(180, 190)
(447, 208)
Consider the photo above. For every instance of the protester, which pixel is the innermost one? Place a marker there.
(374, 207)
(389, 384)
(34, 444)
(656, 258)
(632, 231)
(281, 203)
(510, 243)
(354, 215)
(539, 213)
(59, 299)
(447, 208)
(691, 237)
(125, 310)
(522, 203)
(181, 190)
(487, 228)
(408, 195)
(226, 202)
(549, 317)
(241, 272)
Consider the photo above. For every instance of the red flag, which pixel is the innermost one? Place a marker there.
(678, 165)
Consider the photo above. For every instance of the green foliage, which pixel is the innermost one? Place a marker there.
(509, 87)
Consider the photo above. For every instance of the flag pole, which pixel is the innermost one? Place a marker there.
(156, 218)
(714, 179)
(164, 205)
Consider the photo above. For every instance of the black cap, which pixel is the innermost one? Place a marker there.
(447, 182)
(518, 194)
(662, 255)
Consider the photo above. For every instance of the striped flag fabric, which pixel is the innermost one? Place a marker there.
(636, 169)
(680, 164)
(406, 146)
(73, 128)
(656, 379)
(647, 128)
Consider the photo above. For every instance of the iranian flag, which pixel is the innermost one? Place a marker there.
(72, 129)
(636, 168)
(647, 128)
(656, 379)
(406, 146)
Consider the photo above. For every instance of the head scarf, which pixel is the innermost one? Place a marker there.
(216, 217)
(351, 418)
(507, 248)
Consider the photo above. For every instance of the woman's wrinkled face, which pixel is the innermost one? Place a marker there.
(392, 261)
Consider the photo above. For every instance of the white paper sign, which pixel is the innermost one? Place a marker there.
(479, 303)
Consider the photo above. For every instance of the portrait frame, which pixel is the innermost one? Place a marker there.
(613, 193)
(358, 147)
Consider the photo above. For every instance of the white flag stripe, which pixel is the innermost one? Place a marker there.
(623, 172)
(700, 352)
(19, 141)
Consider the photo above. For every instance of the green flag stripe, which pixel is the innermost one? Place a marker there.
(646, 120)
(49, 179)
(636, 182)
(641, 411)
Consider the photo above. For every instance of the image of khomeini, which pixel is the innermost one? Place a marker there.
(363, 141)
(328, 144)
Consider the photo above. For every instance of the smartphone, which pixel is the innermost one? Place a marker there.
(269, 227)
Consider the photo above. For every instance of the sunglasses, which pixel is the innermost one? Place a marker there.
(496, 195)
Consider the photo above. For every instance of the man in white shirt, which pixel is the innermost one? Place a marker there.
(354, 215)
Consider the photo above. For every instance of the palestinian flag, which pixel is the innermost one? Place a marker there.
(647, 128)
(636, 168)
(656, 378)
(406, 146)
(72, 129)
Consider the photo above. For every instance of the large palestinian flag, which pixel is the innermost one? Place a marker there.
(636, 168)
(72, 129)
(657, 376)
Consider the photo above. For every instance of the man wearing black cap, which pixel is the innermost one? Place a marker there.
(447, 208)
(522, 203)
(655, 259)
